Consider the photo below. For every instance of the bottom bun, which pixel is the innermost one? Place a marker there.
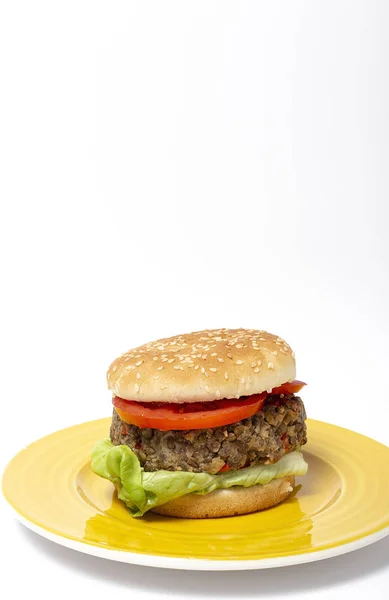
(227, 503)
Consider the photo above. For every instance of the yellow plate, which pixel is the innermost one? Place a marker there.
(342, 505)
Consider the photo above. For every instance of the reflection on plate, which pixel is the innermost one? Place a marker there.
(342, 504)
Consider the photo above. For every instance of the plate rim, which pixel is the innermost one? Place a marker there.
(198, 564)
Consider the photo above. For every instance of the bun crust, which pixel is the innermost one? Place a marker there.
(203, 366)
(228, 503)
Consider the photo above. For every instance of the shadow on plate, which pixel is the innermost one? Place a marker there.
(300, 578)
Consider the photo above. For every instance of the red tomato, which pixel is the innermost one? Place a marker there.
(289, 388)
(197, 415)
(225, 469)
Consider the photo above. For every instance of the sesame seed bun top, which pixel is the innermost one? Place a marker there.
(203, 366)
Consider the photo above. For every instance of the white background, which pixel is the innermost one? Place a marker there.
(172, 166)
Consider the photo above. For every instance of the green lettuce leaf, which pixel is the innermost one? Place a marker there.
(141, 490)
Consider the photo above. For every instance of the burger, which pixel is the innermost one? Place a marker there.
(206, 424)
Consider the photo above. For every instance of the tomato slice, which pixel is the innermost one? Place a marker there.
(289, 388)
(197, 415)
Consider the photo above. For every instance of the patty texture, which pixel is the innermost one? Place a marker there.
(263, 438)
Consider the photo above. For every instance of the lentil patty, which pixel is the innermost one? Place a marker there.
(263, 438)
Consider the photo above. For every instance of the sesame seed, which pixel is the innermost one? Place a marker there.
(138, 364)
(138, 375)
(155, 357)
(217, 393)
(242, 380)
(256, 370)
(170, 360)
(286, 348)
(213, 370)
(275, 352)
(137, 388)
(229, 355)
(156, 377)
(131, 367)
(270, 365)
(214, 354)
(226, 376)
(203, 356)
(262, 339)
(254, 363)
(221, 359)
(239, 362)
(160, 368)
(196, 367)
(161, 348)
(239, 345)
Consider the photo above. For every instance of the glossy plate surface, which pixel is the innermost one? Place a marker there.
(342, 505)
